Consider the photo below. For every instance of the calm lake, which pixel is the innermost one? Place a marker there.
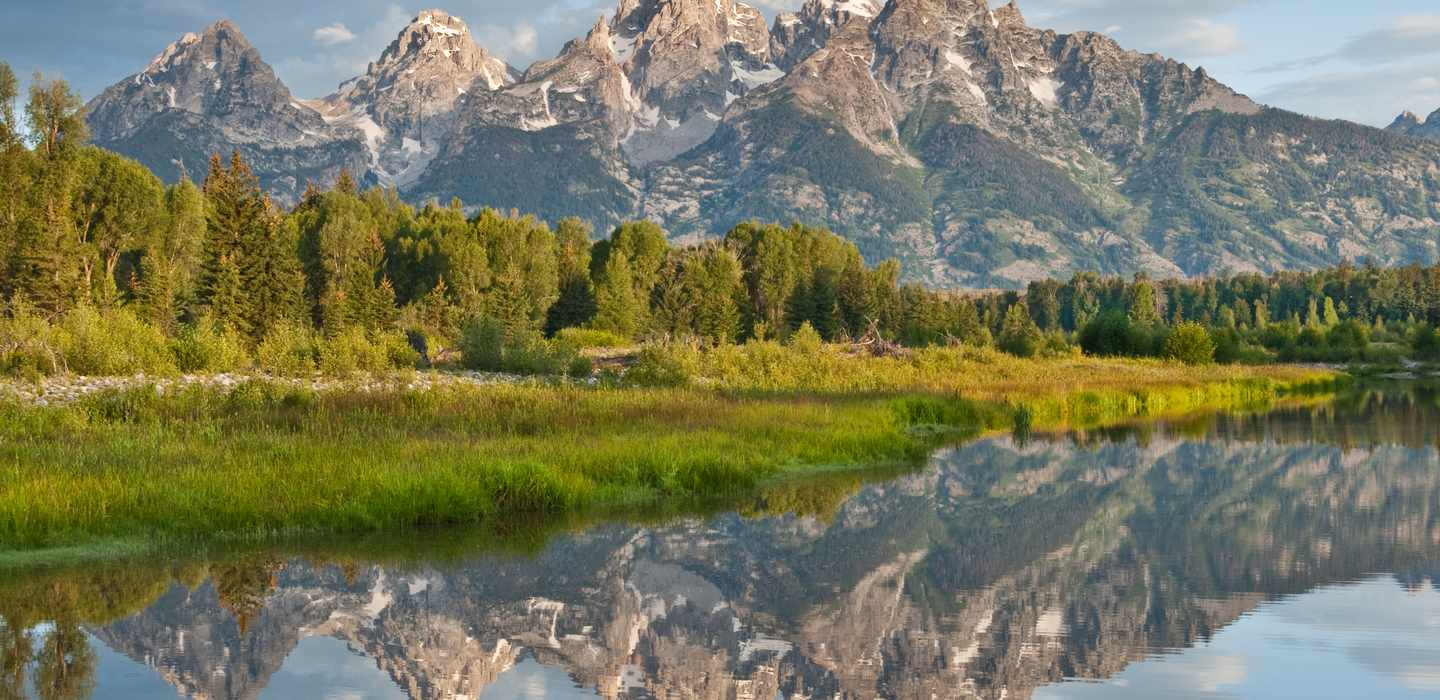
(1294, 554)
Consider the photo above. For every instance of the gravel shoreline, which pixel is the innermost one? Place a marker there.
(61, 390)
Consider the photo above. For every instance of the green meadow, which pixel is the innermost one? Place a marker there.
(140, 469)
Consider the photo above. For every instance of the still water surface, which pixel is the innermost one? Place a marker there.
(1289, 555)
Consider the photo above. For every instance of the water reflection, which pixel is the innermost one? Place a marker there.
(1225, 556)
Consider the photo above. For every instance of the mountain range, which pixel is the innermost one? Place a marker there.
(976, 149)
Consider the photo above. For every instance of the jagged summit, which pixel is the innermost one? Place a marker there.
(1409, 123)
(404, 106)
(212, 92)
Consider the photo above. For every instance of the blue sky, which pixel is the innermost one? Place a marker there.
(1360, 61)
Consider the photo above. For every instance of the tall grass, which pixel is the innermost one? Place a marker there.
(263, 460)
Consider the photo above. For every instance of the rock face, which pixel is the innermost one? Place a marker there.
(978, 150)
(1409, 123)
(211, 92)
(576, 134)
(405, 104)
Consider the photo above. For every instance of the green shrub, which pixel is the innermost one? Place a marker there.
(353, 350)
(1426, 342)
(1055, 346)
(350, 351)
(1350, 337)
(482, 345)
(580, 367)
(114, 342)
(30, 347)
(806, 339)
(208, 347)
(666, 365)
(399, 352)
(529, 353)
(485, 346)
(1189, 343)
(1113, 334)
(1019, 335)
(581, 338)
(288, 350)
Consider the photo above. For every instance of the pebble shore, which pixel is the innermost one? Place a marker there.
(62, 390)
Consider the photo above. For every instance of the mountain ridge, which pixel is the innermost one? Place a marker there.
(980, 151)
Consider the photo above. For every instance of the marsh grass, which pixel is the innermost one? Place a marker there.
(136, 468)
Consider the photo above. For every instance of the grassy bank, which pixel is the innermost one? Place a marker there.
(137, 469)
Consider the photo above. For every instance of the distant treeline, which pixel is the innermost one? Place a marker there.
(94, 244)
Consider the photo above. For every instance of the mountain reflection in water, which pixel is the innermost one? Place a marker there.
(1291, 554)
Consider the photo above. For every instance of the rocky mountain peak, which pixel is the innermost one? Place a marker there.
(1009, 15)
(437, 39)
(1411, 124)
(212, 92)
(1406, 118)
(405, 104)
(685, 62)
(796, 35)
(218, 64)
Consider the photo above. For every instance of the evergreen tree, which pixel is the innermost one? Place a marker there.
(1044, 303)
(617, 308)
(272, 275)
(1332, 316)
(673, 300)
(968, 328)
(225, 296)
(718, 290)
(1143, 309)
(575, 305)
(1019, 335)
(157, 294)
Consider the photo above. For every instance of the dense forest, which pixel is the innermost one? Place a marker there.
(108, 270)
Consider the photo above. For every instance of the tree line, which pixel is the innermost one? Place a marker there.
(86, 233)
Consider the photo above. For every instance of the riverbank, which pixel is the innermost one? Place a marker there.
(136, 468)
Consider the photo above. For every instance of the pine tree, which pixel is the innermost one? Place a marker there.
(156, 291)
(506, 302)
(1143, 308)
(617, 308)
(576, 303)
(968, 328)
(1019, 335)
(1332, 316)
(717, 292)
(225, 296)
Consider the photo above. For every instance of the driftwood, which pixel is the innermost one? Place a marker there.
(872, 343)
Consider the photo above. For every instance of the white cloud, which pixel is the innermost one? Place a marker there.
(1369, 96)
(1416, 35)
(517, 44)
(1183, 29)
(525, 40)
(1203, 38)
(334, 35)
